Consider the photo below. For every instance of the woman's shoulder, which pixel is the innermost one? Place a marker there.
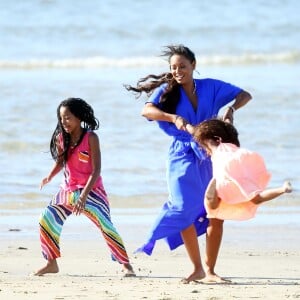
(155, 96)
(209, 81)
(160, 89)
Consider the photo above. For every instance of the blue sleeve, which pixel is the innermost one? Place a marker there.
(224, 93)
(155, 96)
(168, 128)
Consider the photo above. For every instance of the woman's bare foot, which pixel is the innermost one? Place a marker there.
(211, 196)
(287, 186)
(214, 278)
(128, 270)
(196, 275)
(51, 267)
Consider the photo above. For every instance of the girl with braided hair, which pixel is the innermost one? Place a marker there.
(240, 176)
(75, 148)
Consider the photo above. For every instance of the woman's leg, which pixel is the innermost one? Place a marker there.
(51, 223)
(190, 239)
(97, 210)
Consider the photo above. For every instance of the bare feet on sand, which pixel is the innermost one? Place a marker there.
(196, 275)
(201, 277)
(128, 271)
(51, 267)
(214, 278)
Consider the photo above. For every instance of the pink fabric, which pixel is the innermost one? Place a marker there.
(79, 167)
(240, 175)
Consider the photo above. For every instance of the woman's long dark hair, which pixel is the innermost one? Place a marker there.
(170, 97)
(81, 110)
(216, 130)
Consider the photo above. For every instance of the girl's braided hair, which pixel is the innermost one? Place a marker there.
(81, 110)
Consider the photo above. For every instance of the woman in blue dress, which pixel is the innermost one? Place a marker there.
(175, 100)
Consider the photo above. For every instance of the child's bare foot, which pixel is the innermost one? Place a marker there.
(211, 196)
(51, 267)
(196, 275)
(287, 186)
(128, 270)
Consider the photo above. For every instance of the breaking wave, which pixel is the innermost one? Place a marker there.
(137, 62)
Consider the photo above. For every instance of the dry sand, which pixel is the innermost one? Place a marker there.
(262, 263)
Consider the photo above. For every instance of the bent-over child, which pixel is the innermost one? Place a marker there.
(240, 177)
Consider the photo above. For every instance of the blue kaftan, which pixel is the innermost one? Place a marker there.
(188, 168)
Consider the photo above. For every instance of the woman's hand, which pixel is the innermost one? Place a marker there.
(180, 122)
(190, 129)
(228, 115)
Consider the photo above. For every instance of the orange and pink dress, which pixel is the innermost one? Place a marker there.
(240, 175)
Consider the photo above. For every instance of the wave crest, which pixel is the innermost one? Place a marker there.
(136, 62)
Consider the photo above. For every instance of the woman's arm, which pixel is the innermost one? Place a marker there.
(240, 100)
(152, 112)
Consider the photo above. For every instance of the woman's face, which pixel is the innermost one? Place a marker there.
(181, 69)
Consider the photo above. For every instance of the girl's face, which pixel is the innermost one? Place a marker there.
(69, 122)
(181, 69)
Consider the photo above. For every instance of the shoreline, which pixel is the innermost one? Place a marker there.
(23, 223)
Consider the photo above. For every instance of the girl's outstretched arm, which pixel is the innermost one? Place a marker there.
(57, 167)
(55, 170)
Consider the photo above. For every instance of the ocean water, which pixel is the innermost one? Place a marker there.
(51, 50)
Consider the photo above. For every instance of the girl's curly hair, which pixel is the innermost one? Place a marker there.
(81, 110)
(217, 130)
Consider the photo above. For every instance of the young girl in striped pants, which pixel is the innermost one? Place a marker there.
(75, 148)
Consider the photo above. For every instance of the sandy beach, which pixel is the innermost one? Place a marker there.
(262, 263)
(58, 49)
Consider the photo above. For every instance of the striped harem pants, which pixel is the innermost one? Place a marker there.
(96, 209)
